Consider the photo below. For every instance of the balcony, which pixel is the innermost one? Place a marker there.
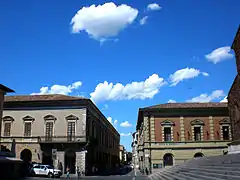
(62, 139)
(17, 139)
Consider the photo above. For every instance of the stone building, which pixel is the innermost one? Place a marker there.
(234, 99)
(121, 153)
(134, 149)
(59, 129)
(3, 91)
(173, 133)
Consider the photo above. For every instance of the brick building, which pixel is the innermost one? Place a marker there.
(58, 129)
(234, 99)
(173, 133)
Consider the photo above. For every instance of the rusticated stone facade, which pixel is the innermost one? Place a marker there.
(173, 133)
(234, 99)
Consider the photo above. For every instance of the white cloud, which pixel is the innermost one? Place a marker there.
(224, 99)
(59, 89)
(135, 90)
(208, 98)
(103, 21)
(143, 20)
(123, 134)
(153, 7)
(125, 124)
(186, 73)
(110, 119)
(220, 54)
(171, 101)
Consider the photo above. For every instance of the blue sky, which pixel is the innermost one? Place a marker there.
(123, 55)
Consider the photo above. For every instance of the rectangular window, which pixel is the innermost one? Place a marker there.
(167, 134)
(225, 130)
(27, 128)
(71, 131)
(7, 129)
(49, 131)
(197, 133)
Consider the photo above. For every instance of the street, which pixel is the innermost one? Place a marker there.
(130, 176)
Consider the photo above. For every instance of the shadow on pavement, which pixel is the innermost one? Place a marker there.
(120, 171)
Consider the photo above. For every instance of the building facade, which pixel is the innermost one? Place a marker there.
(234, 99)
(63, 131)
(121, 153)
(173, 133)
(134, 149)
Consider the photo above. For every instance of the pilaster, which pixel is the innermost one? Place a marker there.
(152, 127)
(211, 126)
(182, 130)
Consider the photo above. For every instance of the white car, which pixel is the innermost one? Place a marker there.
(45, 170)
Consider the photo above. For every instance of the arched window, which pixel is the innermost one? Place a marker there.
(28, 120)
(71, 129)
(197, 155)
(7, 124)
(168, 159)
(49, 127)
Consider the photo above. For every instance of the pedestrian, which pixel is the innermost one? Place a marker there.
(146, 170)
(68, 173)
(78, 172)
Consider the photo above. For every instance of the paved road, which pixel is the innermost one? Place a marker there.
(130, 176)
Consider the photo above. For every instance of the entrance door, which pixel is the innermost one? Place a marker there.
(70, 161)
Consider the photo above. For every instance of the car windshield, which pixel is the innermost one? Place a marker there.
(49, 167)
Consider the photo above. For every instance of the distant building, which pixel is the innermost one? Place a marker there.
(234, 99)
(122, 153)
(134, 149)
(58, 129)
(173, 133)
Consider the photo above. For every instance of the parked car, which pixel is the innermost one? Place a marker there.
(45, 170)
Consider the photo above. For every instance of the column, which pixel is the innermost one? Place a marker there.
(60, 159)
(211, 126)
(202, 133)
(182, 130)
(81, 160)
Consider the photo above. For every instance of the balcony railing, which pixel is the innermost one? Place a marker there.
(62, 139)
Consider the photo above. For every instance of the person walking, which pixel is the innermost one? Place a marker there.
(68, 173)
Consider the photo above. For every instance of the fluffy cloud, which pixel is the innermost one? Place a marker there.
(171, 101)
(224, 99)
(153, 7)
(59, 89)
(123, 134)
(208, 98)
(125, 124)
(183, 74)
(220, 54)
(110, 119)
(135, 90)
(103, 21)
(143, 20)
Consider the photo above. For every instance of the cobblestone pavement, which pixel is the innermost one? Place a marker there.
(130, 176)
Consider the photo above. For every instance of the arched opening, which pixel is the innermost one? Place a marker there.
(70, 161)
(168, 160)
(198, 155)
(47, 159)
(26, 155)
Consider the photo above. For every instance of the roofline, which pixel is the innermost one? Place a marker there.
(235, 38)
(6, 89)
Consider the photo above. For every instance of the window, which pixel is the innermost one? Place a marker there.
(7, 129)
(27, 128)
(49, 131)
(167, 134)
(71, 131)
(197, 133)
(225, 130)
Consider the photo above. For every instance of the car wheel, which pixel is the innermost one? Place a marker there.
(50, 175)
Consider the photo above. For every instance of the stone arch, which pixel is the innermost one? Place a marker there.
(50, 118)
(8, 118)
(26, 155)
(168, 159)
(70, 161)
(198, 155)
